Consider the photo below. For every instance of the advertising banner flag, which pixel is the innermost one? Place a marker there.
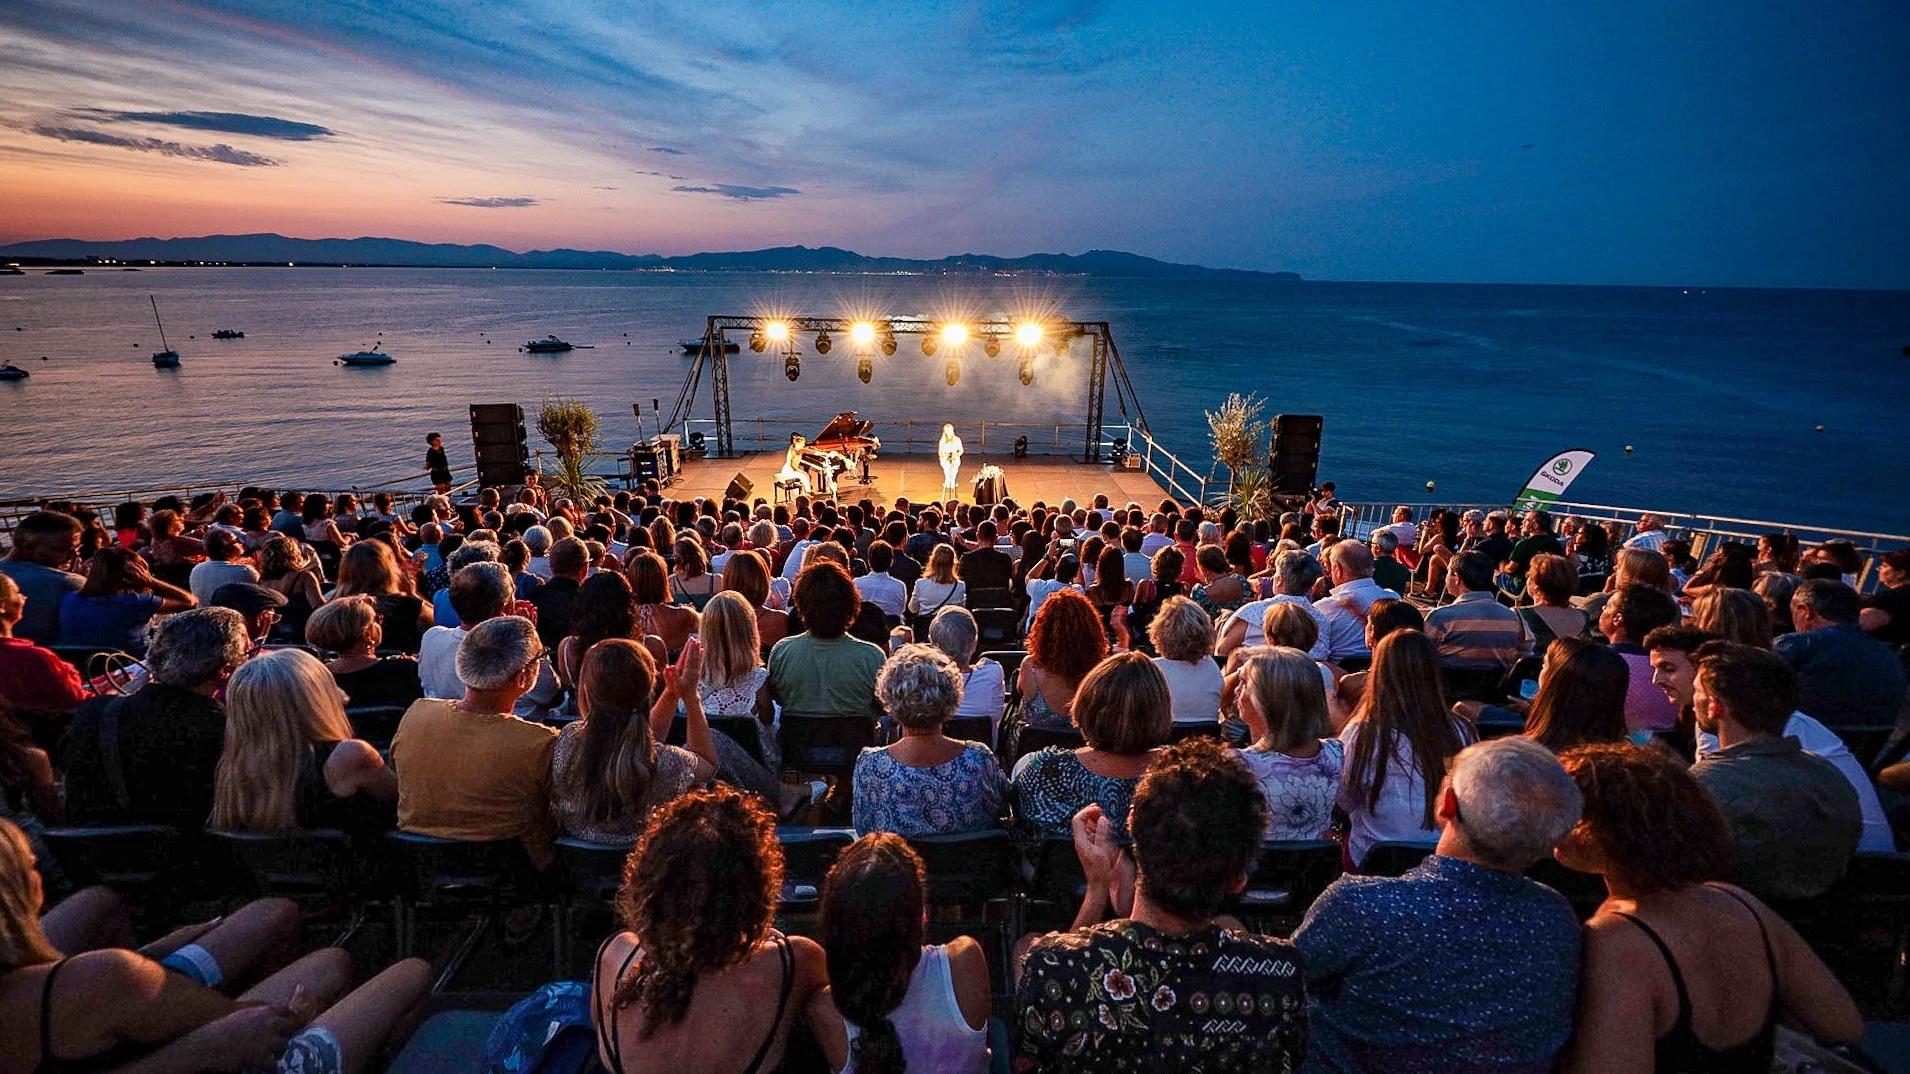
(1550, 481)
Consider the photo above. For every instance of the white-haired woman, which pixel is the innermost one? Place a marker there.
(1183, 635)
(926, 783)
(1283, 703)
(290, 760)
(984, 684)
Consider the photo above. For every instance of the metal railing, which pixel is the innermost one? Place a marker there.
(1703, 531)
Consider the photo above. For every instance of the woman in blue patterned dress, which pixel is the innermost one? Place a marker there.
(926, 783)
(1124, 712)
(1283, 703)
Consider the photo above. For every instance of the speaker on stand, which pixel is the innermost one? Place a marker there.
(1294, 462)
(499, 443)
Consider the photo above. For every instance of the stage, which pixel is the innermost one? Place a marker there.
(1049, 479)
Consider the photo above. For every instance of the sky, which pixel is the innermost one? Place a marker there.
(1757, 143)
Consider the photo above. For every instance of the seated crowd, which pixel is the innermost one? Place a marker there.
(1170, 690)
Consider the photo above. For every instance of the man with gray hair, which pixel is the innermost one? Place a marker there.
(468, 769)
(1292, 577)
(1388, 571)
(984, 685)
(150, 757)
(479, 592)
(1351, 567)
(443, 612)
(1461, 964)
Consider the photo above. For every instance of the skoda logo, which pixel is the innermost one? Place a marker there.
(1562, 467)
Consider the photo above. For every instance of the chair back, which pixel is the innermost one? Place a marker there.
(1181, 732)
(124, 857)
(432, 869)
(1392, 858)
(746, 731)
(1288, 876)
(1473, 684)
(595, 870)
(1010, 661)
(175, 574)
(318, 866)
(996, 624)
(970, 867)
(1057, 877)
(992, 598)
(1030, 739)
(807, 855)
(971, 729)
(375, 724)
(825, 745)
(328, 556)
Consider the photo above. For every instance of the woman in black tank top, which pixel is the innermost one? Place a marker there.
(1683, 974)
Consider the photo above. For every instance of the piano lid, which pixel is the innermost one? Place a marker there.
(844, 426)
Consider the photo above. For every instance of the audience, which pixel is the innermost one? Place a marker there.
(1398, 743)
(1581, 698)
(1845, 678)
(224, 564)
(569, 566)
(115, 607)
(1165, 985)
(1064, 644)
(1298, 767)
(479, 593)
(46, 546)
(1886, 613)
(1475, 632)
(1183, 637)
(823, 671)
(31, 677)
(1552, 581)
(925, 783)
(1294, 575)
(1461, 964)
(657, 614)
(734, 686)
(1737, 615)
(443, 612)
(940, 587)
(1350, 567)
(1124, 714)
(352, 629)
(1672, 957)
(877, 587)
(1633, 612)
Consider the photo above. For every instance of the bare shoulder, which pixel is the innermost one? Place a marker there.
(112, 976)
(353, 755)
(968, 972)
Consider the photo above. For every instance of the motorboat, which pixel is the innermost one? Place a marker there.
(228, 333)
(548, 345)
(365, 358)
(695, 346)
(167, 358)
(9, 371)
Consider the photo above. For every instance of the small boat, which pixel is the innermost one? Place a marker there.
(11, 270)
(548, 345)
(362, 358)
(9, 371)
(168, 358)
(67, 272)
(228, 333)
(695, 346)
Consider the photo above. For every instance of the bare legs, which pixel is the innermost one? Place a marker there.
(88, 920)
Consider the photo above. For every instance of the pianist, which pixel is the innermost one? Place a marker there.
(793, 464)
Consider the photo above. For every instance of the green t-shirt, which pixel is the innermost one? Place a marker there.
(812, 676)
(1392, 574)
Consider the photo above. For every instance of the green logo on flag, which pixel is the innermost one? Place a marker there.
(1562, 467)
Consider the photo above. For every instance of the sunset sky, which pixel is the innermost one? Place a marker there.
(1756, 143)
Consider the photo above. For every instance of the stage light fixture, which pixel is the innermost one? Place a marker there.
(1061, 344)
(777, 331)
(954, 372)
(792, 366)
(756, 342)
(1028, 334)
(991, 345)
(697, 441)
(822, 343)
(865, 369)
(1027, 371)
(862, 333)
(955, 334)
(928, 345)
(1120, 450)
(888, 344)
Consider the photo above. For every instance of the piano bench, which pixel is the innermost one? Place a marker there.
(786, 491)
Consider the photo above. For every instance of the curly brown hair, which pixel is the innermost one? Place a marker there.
(700, 892)
(1197, 819)
(1654, 824)
(1066, 639)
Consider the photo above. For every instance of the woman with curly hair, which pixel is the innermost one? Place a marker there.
(698, 979)
(903, 1004)
(284, 566)
(1064, 644)
(1671, 958)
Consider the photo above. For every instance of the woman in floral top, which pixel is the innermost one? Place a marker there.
(1283, 703)
(927, 783)
(1124, 712)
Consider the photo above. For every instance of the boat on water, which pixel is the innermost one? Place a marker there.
(693, 346)
(67, 272)
(548, 345)
(167, 358)
(228, 333)
(9, 371)
(365, 358)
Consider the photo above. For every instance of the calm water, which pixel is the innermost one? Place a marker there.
(1719, 392)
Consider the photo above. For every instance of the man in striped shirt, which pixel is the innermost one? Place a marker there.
(1475, 632)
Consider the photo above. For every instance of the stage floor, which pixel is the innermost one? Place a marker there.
(919, 477)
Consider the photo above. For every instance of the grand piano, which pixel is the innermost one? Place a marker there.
(846, 443)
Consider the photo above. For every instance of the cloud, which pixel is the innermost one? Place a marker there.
(222, 122)
(666, 149)
(739, 193)
(221, 153)
(520, 202)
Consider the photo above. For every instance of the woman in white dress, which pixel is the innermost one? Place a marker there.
(950, 452)
(792, 464)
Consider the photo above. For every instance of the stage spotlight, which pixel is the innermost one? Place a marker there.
(1028, 334)
(1021, 447)
(822, 343)
(991, 345)
(954, 372)
(777, 331)
(888, 345)
(928, 346)
(1027, 371)
(865, 369)
(955, 335)
(792, 366)
(862, 333)
(756, 342)
(1120, 450)
(697, 441)
(1061, 344)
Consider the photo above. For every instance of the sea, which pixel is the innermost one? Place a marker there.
(1786, 406)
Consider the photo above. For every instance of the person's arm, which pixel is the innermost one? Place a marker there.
(1233, 637)
(682, 679)
(129, 997)
(1873, 619)
(171, 597)
(314, 592)
(250, 1038)
(355, 766)
(915, 598)
(1617, 1017)
(826, 1026)
(968, 972)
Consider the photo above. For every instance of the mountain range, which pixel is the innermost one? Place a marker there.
(270, 249)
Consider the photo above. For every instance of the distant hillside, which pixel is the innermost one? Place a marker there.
(268, 249)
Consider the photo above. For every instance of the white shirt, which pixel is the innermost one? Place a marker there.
(984, 691)
(438, 673)
(208, 576)
(1401, 810)
(931, 596)
(539, 566)
(1405, 531)
(1137, 566)
(1194, 686)
(1153, 543)
(884, 592)
(1346, 629)
(1254, 615)
(935, 1034)
(1822, 741)
(1650, 540)
(721, 560)
(793, 566)
(1040, 589)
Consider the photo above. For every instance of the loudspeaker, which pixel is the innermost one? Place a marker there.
(739, 487)
(1295, 459)
(498, 441)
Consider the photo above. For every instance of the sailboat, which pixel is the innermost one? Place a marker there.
(168, 358)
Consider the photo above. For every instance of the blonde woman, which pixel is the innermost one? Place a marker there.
(735, 686)
(290, 761)
(1183, 635)
(371, 568)
(949, 451)
(940, 586)
(1283, 704)
(352, 628)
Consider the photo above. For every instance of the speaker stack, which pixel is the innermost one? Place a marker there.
(657, 459)
(1295, 461)
(498, 441)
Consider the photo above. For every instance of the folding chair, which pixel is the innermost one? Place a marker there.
(807, 855)
(592, 874)
(996, 627)
(132, 859)
(825, 745)
(320, 870)
(971, 729)
(1286, 878)
(375, 724)
(1030, 739)
(1010, 661)
(1391, 858)
(967, 873)
(487, 878)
